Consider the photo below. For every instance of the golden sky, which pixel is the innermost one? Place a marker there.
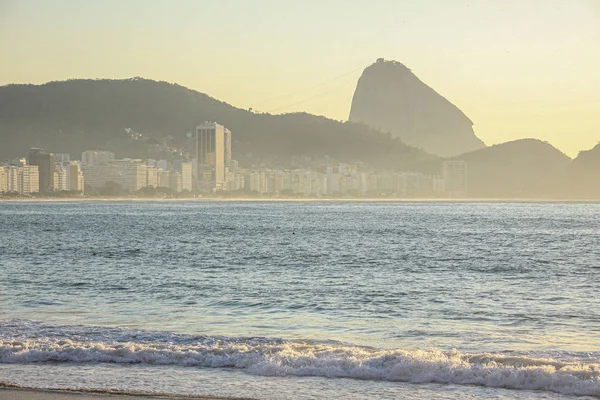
(517, 68)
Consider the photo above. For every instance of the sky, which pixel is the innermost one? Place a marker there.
(516, 68)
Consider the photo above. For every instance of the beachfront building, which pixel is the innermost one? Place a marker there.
(235, 181)
(3, 179)
(185, 168)
(76, 180)
(175, 181)
(130, 174)
(61, 178)
(210, 155)
(227, 139)
(23, 180)
(45, 163)
(164, 179)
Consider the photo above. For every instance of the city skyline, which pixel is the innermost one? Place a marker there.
(515, 76)
(213, 170)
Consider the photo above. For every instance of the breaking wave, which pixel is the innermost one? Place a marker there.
(31, 342)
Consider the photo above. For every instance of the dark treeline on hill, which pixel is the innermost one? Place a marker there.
(77, 115)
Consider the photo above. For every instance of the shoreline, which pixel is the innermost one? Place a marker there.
(290, 200)
(15, 392)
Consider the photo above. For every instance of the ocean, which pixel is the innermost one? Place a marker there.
(302, 300)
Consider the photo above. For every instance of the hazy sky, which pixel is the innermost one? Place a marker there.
(519, 68)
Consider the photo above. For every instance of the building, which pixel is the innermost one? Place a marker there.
(164, 179)
(76, 181)
(30, 179)
(61, 177)
(151, 176)
(21, 180)
(210, 153)
(15, 177)
(175, 181)
(130, 174)
(235, 181)
(227, 147)
(45, 163)
(333, 181)
(18, 162)
(96, 157)
(455, 174)
(185, 168)
(3, 179)
(187, 178)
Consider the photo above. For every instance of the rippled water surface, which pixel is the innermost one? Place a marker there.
(488, 294)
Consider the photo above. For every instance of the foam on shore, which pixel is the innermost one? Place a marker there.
(24, 342)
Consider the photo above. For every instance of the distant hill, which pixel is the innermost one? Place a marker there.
(583, 179)
(389, 97)
(76, 115)
(526, 168)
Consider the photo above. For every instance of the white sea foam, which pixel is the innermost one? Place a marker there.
(24, 342)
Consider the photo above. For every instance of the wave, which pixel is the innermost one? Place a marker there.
(30, 342)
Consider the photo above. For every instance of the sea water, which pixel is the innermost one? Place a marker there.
(302, 300)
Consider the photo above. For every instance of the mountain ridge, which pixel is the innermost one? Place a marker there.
(582, 175)
(522, 168)
(389, 97)
(92, 113)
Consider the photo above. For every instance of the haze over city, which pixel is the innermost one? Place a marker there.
(277, 199)
(518, 69)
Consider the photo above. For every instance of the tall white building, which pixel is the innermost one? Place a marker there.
(61, 177)
(210, 153)
(15, 178)
(235, 181)
(227, 147)
(22, 180)
(151, 176)
(3, 179)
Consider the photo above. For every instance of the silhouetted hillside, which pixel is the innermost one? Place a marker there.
(584, 175)
(526, 168)
(391, 98)
(76, 115)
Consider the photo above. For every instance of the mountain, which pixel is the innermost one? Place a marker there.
(583, 178)
(77, 115)
(389, 97)
(525, 168)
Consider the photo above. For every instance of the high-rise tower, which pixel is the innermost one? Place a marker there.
(45, 164)
(211, 154)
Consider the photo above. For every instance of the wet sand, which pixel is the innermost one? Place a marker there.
(31, 394)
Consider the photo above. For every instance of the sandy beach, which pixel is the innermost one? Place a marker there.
(33, 394)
